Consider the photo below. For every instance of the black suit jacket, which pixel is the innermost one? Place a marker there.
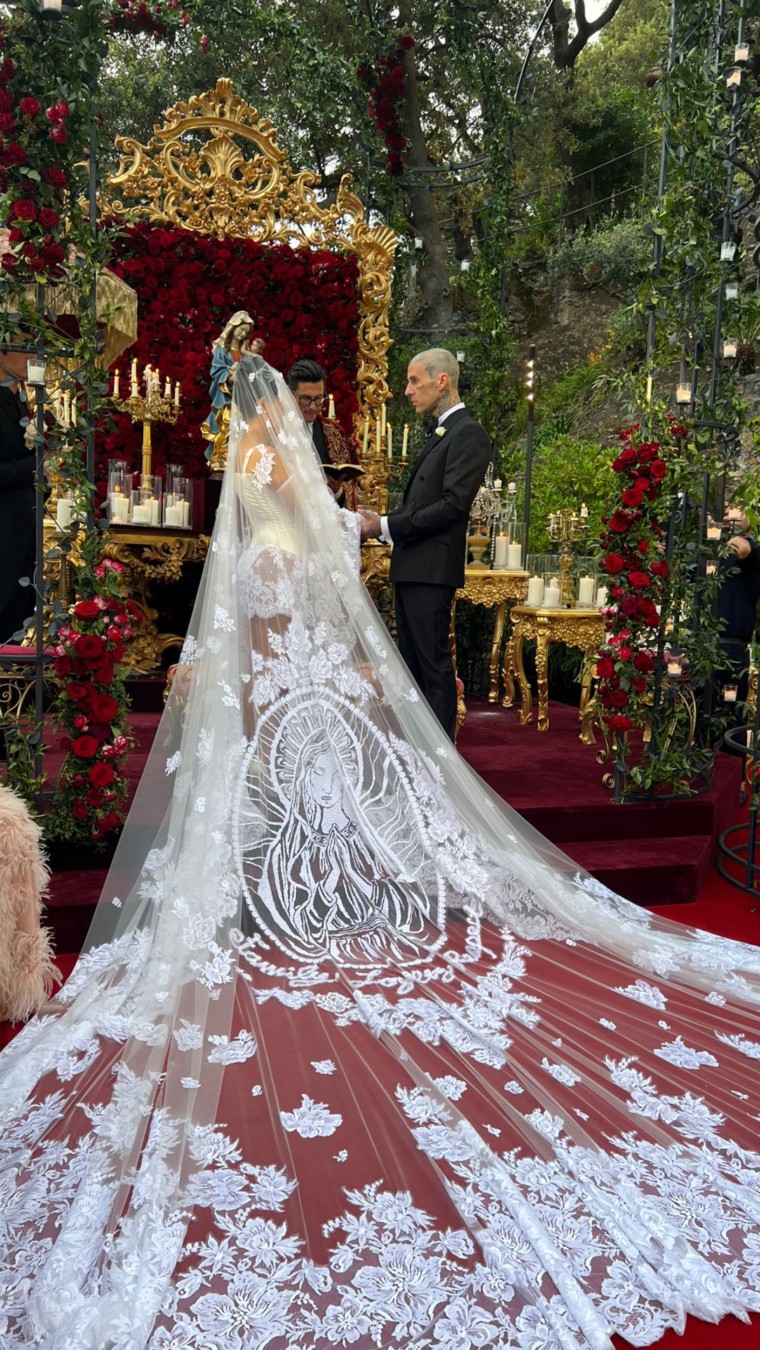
(429, 531)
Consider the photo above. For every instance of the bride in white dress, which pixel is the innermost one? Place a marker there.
(354, 1057)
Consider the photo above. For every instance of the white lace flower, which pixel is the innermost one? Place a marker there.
(464, 1324)
(324, 1066)
(678, 1053)
(451, 1087)
(173, 763)
(270, 1188)
(223, 620)
(642, 992)
(745, 1047)
(191, 1084)
(311, 1120)
(236, 1051)
(189, 1036)
(561, 1072)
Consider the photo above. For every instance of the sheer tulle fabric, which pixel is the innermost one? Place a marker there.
(353, 1057)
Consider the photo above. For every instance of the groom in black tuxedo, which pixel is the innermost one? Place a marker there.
(429, 530)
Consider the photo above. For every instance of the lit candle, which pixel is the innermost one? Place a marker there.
(331, 408)
(378, 434)
(141, 514)
(382, 420)
(584, 511)
(730, 692)
(500, 552)
(404, 442)
(586, 589)
(535, 592)
(711, 569)
(649, 389)
(674, 667)
(147, 375)
(552, 594)
(176, 394)
(390, 442)
(713, 533)
(168, 389)
(116, 384)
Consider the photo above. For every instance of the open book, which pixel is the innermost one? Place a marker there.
(345, 473)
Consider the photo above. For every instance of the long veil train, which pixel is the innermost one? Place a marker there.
(353, 1056)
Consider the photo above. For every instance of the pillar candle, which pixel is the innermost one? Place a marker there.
(155, 511)
(552, 594)
(141, 514)
(64, 511)
(390, 442)
(586, 592)
(168, 388)
(601, 597)
(173, 515)
(186, 514)
(176, 394)
(119, 508)
(514, 556)
(500, 552)
(535, 592)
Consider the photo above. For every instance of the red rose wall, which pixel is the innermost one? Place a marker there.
(304, 302)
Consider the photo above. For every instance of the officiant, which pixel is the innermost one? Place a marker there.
(307, 382)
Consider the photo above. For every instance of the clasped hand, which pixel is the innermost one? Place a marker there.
(370, 524)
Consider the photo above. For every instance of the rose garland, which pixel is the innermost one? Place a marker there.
(89, 710)
(386, 87)
(638, 573)
(305, 303)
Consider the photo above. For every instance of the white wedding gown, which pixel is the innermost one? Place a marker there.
(353, 1057)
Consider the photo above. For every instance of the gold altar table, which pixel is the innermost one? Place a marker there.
(482, 586)
(147, 556)
(582, 628)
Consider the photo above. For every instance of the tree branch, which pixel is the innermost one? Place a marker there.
(567, 49)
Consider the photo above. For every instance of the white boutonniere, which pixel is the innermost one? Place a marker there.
(440, 431)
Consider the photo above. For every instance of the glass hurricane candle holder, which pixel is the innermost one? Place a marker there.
(146, 502)
(178, 501)
(119, 492)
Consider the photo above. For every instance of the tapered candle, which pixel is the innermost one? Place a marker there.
(168, 389)
(176, 394)
(331, 408)
(378, 434)
(404, 442)
(73, 412)
(116, 384)
(365, 442)
(382, 420)
(67, 409)
(134, 370)
(390, 442)
(147, 377)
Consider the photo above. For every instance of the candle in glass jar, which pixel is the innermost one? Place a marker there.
(535, 592)
(500, 548)
(514, 556)
(141, 513)
(64, 511)
(729, 693)
(674, 667)
(174, 515)
(586, 590)
(119, 508)
(713, 533)
(155, 511)
(601, 597)
(552, 594)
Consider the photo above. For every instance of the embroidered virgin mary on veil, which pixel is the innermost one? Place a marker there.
(353, 1057)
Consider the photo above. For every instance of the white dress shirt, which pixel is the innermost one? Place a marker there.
(385, 533)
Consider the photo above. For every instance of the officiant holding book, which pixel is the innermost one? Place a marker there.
(306, 381)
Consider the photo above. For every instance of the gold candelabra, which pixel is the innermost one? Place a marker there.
(383, 466)
(151, 406)
(567, 527)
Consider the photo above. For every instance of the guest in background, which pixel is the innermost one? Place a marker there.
(306, 381)
(738, 594)
(17, 498)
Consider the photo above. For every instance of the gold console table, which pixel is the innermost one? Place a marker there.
(148, 556)
(582, 628)
(482, 586)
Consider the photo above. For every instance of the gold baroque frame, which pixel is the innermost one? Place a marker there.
(194, 174)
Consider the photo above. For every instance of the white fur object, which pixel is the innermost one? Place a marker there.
(27, 972)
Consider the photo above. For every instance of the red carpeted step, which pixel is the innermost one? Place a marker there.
(71, 905)
(663, 872)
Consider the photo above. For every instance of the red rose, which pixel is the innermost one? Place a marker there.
(618, 698)
(24, 209)
(620, 522)
(90, 648)
(59, 134)
(642, 661)
(658, 469)
(78, 809)
(86, 609)
(29, 107)
(639, 580)
(8, 262)
(631, 497)
(79, 691)
(620, 723)
(638, 684)
(48, 218)
(643, 484)
(94, 797)
(630, 606)
(103, 672)
(104, 707)
(101, 775)
(63, 665)
(56, 177)
(625, 458)
(624, 653)
(659, 569)
(84, 747)
(604, 668)
(613, 563)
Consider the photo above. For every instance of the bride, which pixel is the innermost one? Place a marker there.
(353, 1056)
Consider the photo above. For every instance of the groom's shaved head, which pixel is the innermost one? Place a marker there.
(437, 361)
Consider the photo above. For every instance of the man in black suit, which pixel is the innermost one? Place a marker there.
(17, 498)
(429, 530)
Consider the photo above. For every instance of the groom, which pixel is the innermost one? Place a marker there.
(429, 530)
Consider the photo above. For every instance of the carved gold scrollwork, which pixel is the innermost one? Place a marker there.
(215, 166)
(147, 558)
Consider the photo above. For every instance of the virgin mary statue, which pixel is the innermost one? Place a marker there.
(354, 1057)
